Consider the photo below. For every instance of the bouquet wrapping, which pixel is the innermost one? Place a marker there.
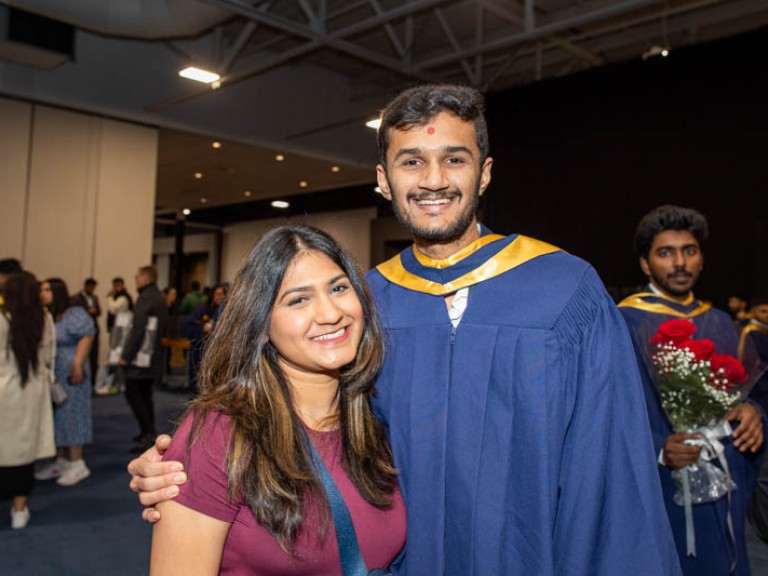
(698, 388)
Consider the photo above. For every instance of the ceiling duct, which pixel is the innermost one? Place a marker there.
(33, 40)
(140, 19)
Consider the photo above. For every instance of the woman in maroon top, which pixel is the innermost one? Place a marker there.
(292, 357)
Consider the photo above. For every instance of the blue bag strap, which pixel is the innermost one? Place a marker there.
(352, 563)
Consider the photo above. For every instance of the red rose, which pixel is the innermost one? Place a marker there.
(675, 331)
(702, 349)
(725, 366)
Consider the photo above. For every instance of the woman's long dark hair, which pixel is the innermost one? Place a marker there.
(240, 375)
(61, 300)
(26, 316)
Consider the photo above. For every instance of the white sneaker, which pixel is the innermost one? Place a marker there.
(52, 470)
(107, 390)
(19, 519)
(74, 472)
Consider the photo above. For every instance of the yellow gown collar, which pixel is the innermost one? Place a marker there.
(520, 250)
(660, 304)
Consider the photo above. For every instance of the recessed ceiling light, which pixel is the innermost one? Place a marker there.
(279, 157)
(335, 168)
(216, 144)
(280, 204)
(198, 175)
(247, 193)
(375, 123)
(199, 74)
(186, 211)
(303, 184)
(203, 200)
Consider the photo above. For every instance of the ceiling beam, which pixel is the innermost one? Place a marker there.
(512, 17)
(542, 31)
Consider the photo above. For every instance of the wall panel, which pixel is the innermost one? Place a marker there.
(351, 228)
(15, 118)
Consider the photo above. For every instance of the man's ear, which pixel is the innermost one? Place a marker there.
(381, 178)
(485, 174)
(644, 266)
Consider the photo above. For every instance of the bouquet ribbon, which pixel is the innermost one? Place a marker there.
(711, 448)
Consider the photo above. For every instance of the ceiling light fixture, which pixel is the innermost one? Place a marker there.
(279, 157)
(203, 200)
(335, 169)
(656, 51)
(198, 175)
(186, 211)
(303, 184)
(280, 204)
(204, 76)
(247, 193)
(216, 144)
(375, 123)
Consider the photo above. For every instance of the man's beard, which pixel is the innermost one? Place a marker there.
(667, 286)
(453, 230)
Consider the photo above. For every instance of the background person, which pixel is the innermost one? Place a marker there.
(668, 243)
(26, 365)
(8, 266)
(191, 299)
(197, 329)
(73, 424)
(88, 299)
(118, 300)
(142, 355)
(754, 335)
(294, 364)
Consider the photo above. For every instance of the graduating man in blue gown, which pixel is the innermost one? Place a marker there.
(510, 392)
(668, 242)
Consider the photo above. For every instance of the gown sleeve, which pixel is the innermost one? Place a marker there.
(611, 517)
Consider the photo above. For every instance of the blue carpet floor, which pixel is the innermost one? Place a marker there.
(95, 527)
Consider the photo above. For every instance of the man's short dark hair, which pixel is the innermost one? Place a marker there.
(194, 285)
(90, 282)
(761, 300)
(669, 217)
(117, 279)
(10, 266)
(417, 106)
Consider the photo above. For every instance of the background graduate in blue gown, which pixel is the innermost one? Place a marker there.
(668, 241)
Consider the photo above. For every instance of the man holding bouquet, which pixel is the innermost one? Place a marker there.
(669, 328)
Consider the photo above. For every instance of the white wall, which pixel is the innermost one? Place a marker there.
(351, 228)
(78, 194)
(15, 119)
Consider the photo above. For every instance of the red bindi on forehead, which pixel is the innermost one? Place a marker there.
(431, 130)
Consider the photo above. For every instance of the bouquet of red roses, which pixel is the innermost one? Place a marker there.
(696, 385)
(697, 388)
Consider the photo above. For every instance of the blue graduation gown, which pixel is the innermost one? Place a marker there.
(521, 436)
(754, 335)
(715, 553)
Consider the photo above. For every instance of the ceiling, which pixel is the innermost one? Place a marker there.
(300, 77)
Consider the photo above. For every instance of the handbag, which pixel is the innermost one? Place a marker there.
(352, 563)
(58, 392)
